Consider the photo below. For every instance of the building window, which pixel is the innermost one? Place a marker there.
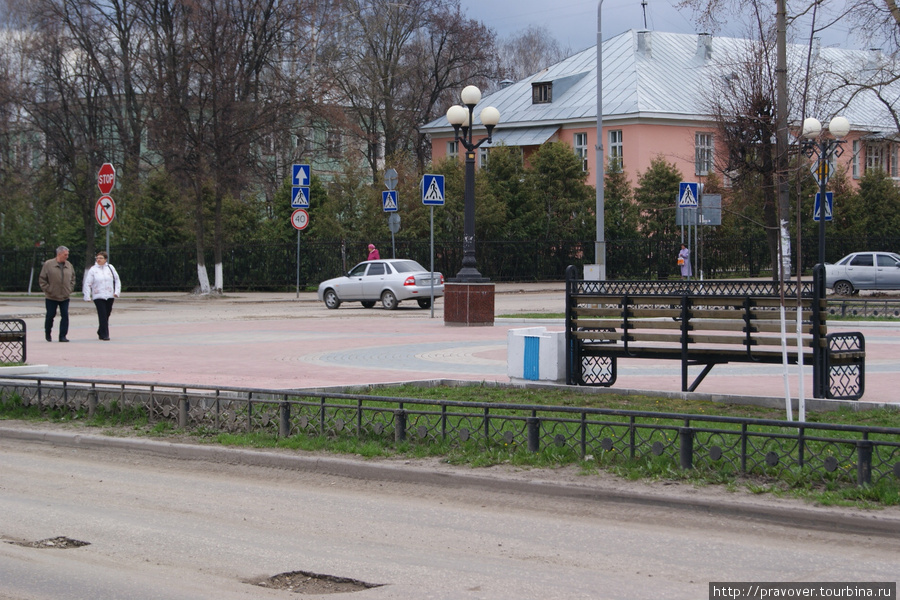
(541, 93)
(306, 139)
(581, 149)
(334, 144)
(854, 160)
(453, 149)
(616, 160)
(483, 154)
(894, 165)
(267, 144)
(703, 153)
(875, 157)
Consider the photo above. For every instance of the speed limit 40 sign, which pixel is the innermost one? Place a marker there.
(300, 219)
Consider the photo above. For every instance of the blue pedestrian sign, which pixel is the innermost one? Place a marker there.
(433, 190)
(300, 175)
(389, 199)
(829, 206)
(688, 195)
(299, 197)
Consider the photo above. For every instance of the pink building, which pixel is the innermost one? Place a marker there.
(655, 89)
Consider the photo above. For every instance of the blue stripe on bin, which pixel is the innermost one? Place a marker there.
(531, 369)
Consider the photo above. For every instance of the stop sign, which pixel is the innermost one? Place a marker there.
(106, 178)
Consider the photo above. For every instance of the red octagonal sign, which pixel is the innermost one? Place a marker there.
(106, 178)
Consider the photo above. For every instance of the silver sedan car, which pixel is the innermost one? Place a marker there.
(864, 271)
(391, 281)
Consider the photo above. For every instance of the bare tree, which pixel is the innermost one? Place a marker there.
(529, 51)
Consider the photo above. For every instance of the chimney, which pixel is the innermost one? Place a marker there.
(643, 43)
(875, 59)
(704, 46)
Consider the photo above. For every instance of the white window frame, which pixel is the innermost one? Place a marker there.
(854, 160)
(580, 142)
(616, 160)
(875, 156)
(704, 151)
(483, 154)
(894, 164)
(453, 149)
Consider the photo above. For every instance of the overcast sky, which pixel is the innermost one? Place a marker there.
(574, 22)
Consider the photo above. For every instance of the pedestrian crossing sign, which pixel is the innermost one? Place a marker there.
(688, 195)
(389, 200)
(433, 190)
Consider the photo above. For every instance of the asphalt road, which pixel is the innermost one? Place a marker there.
(164, 528)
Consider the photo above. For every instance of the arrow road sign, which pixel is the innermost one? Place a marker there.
(105, 210)
(433, 190)
(299, 197)
(389, 199)
(300, 175)
(829, 206)
(300, 219)
(106, 178)
(688, 194)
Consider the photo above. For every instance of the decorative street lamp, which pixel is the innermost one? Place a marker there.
(824, 149)
(461, 119)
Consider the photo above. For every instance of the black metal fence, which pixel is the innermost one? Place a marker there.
(267, 267)
(832, 454)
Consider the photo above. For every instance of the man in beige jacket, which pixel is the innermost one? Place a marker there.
(57, 280)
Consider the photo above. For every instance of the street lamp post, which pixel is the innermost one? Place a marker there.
(824, 149)
(461, 119)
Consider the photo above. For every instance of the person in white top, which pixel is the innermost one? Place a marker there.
(102, 283)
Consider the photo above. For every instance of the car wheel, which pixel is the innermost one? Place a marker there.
(331, 299)
(843, 288)
(424, 302)
(368, 303)
(389, 300)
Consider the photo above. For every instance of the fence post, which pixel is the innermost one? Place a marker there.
(184, 405)
(686, 450)
(533, 426)
(400, 425)
(284, 421)
(863, 462)
(92, 400)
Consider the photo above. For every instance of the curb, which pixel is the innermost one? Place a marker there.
(797, 517)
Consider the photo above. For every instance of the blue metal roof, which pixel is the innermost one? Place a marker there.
(652, 75)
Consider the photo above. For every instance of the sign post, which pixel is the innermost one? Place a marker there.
(300, 220)
(106, 181)
(301, 178)
(432, 195)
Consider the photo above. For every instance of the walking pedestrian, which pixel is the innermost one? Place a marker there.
(102, 283)
(373, 253)
(57, 281)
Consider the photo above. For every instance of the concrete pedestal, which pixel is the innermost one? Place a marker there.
(468, 304)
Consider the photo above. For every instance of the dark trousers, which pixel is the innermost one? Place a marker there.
(104, 309)
(63, 306)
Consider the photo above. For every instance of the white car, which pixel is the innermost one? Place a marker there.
(390, 280)
(864, 271)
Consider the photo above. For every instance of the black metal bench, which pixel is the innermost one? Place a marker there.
(12, 341)
(706, 323)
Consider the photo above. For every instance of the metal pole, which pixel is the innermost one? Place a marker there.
(823, 160)
(107, 239)
(298, 263)
(600, 246)
(432, 261)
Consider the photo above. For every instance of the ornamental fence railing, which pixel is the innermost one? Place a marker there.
(273, 267)
(840, 455)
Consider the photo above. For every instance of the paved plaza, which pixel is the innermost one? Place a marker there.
(291, 341)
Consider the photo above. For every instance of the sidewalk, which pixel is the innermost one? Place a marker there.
(282, 341)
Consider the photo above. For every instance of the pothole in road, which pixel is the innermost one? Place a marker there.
(304, 582)
(57, 542)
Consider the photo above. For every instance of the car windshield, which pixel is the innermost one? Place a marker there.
(407, 266)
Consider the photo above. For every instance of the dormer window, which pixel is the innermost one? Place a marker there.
(541, 93)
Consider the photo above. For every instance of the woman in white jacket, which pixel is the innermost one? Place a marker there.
(102, 283)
